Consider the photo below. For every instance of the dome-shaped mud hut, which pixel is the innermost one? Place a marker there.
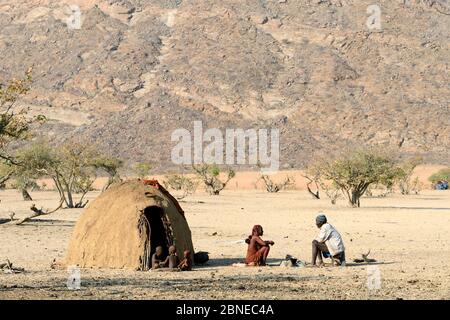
(122, 227)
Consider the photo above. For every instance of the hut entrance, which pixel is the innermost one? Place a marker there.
(158, 233)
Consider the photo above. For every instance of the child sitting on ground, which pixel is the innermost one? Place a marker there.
(171, 261)
(186, 263)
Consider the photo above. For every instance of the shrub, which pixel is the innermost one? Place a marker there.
(179, 182)
(210, 176)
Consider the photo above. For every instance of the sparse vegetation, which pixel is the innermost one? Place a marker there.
(14, 125)
(183, 185)
(354, 171)
(273, 187)
(22, 180)
(441, 175)
(406, 182)
(313, 178)
(210, 176)
(142, 169)
(72, 167)
(332, 191)
(24, 184)
(111, 166)
(6, 172)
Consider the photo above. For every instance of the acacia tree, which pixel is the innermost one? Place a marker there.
(14, 125)
(354, 171)
(111, 166)
(210, 176)
(72, 167)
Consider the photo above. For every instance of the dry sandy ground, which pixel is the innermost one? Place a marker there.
(408, 235)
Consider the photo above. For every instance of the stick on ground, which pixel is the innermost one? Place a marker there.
(37, 213)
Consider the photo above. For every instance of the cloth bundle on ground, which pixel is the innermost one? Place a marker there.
(441, 185)
(201, 257)
(292, 262)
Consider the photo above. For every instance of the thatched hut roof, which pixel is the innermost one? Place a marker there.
(113, 231)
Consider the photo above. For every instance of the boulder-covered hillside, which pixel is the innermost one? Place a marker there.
(136, 70)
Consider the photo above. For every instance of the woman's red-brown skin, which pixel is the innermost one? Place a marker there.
(258, 249)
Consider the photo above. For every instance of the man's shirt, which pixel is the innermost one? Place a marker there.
(332, 239)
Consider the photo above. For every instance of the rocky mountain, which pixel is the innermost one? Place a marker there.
(123, 74)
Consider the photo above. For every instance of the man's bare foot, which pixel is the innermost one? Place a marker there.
(319, 265)
(337, 263)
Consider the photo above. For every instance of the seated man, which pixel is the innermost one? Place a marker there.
(328, 243)
(258, 249)
(171, 261)
(157, 258)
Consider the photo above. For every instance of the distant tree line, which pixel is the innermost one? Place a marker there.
(74, 166)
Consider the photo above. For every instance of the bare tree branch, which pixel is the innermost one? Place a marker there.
(38, 212)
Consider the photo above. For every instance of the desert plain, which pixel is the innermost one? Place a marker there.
(407, 235)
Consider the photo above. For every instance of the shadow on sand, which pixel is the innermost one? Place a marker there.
(40, 222)
(228, 262)
(408, 208)
(3, 221)
(358, 264)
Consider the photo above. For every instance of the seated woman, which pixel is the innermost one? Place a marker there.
(258, 249)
